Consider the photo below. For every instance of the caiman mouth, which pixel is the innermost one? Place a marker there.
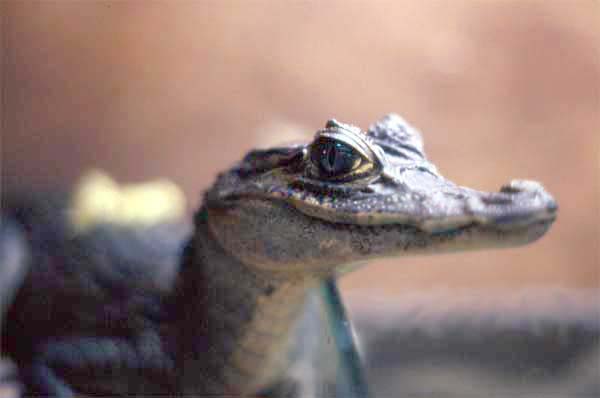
(518, 205)
(522, 211)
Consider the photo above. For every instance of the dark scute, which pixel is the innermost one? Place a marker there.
(397, 137)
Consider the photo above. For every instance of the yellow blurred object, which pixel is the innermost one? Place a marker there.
(98, 199)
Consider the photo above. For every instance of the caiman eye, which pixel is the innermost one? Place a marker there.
(334, 158)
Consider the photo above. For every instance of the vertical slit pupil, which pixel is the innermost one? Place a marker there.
(333, 158)
(331, 154)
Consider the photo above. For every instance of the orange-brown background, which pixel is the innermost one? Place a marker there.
(500, 89)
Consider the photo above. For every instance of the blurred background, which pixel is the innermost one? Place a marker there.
(499, 89)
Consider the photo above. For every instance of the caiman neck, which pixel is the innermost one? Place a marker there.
(234, 319)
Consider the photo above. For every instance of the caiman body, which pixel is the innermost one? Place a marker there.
(119, 311)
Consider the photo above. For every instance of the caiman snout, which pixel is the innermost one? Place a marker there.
(534, 188)
(516, 186)
(517, 204)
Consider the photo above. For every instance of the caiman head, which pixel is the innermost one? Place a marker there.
(351, 195)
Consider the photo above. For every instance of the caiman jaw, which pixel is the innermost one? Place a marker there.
(518, 204)
(375, 194)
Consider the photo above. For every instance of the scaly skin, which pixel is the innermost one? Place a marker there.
(269, 230)
(247, 315)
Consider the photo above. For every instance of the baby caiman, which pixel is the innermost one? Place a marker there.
(122, 311)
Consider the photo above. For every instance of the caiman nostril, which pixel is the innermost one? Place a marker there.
(509, 189)
(516, 186)
(552, 206)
